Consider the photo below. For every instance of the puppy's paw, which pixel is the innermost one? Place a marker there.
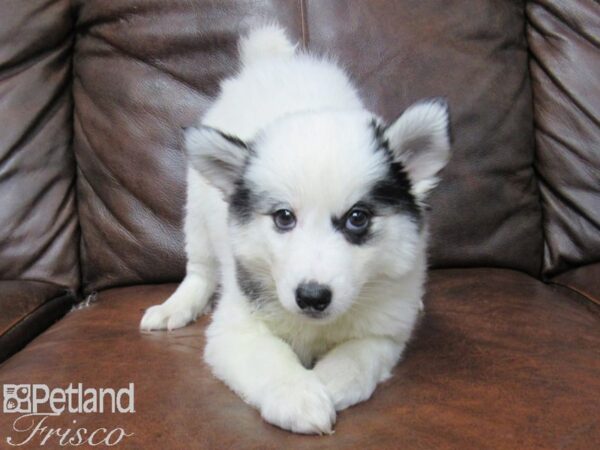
(344, 383)
(302, 406)
(167, 317)
(181, 308)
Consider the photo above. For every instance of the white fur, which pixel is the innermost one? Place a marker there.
(265, 42)
(317, 156)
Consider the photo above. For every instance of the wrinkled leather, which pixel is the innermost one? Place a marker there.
(142, 70)
(564, 39)
(145, 68)
(38, 217)
(499, 361)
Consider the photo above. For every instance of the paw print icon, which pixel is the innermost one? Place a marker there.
(17, 398)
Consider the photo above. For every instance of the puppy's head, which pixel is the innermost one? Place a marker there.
(321, 203)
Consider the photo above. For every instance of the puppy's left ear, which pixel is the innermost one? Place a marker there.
(420, 140)
(217, 156)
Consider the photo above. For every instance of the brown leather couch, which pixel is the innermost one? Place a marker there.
(93, 94)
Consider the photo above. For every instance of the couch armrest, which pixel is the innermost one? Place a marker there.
(28, 308)
(584, 280)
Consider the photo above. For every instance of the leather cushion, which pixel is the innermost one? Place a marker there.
(565, 63)
(38, 216)
(500, 360)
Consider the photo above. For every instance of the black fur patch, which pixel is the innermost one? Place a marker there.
(241, 202)
(249, 285)
(246, 202)
(353, 238)
(395, 190)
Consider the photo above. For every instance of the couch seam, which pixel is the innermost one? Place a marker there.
(592, 304)
(74, 21)
(29, 338)
(68, 294)
(534, 128)
(303, 23)
(590, 298)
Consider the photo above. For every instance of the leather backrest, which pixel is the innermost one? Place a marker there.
(145, 68)
(38, 217)
(486, 210)
(565, 67)
(142, 70)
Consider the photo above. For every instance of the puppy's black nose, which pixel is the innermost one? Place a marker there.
(312, 295)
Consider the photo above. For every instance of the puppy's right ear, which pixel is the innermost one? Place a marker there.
(217, 156)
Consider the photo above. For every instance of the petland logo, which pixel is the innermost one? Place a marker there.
(37, 404)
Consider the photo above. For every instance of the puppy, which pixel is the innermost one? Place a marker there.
(309, 211)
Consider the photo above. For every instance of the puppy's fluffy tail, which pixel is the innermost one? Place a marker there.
(267, 41)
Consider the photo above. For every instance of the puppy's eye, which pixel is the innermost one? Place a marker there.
(284, 219)
(357, 221)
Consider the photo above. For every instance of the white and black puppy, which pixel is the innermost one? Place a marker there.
(308, 210)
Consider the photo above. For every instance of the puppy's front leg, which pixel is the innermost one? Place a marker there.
(352, 370)
(267, 374)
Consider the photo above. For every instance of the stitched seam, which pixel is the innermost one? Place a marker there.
(303, 24)
(534, 162)
(586, 299)
(79, 234)
(33, 311)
